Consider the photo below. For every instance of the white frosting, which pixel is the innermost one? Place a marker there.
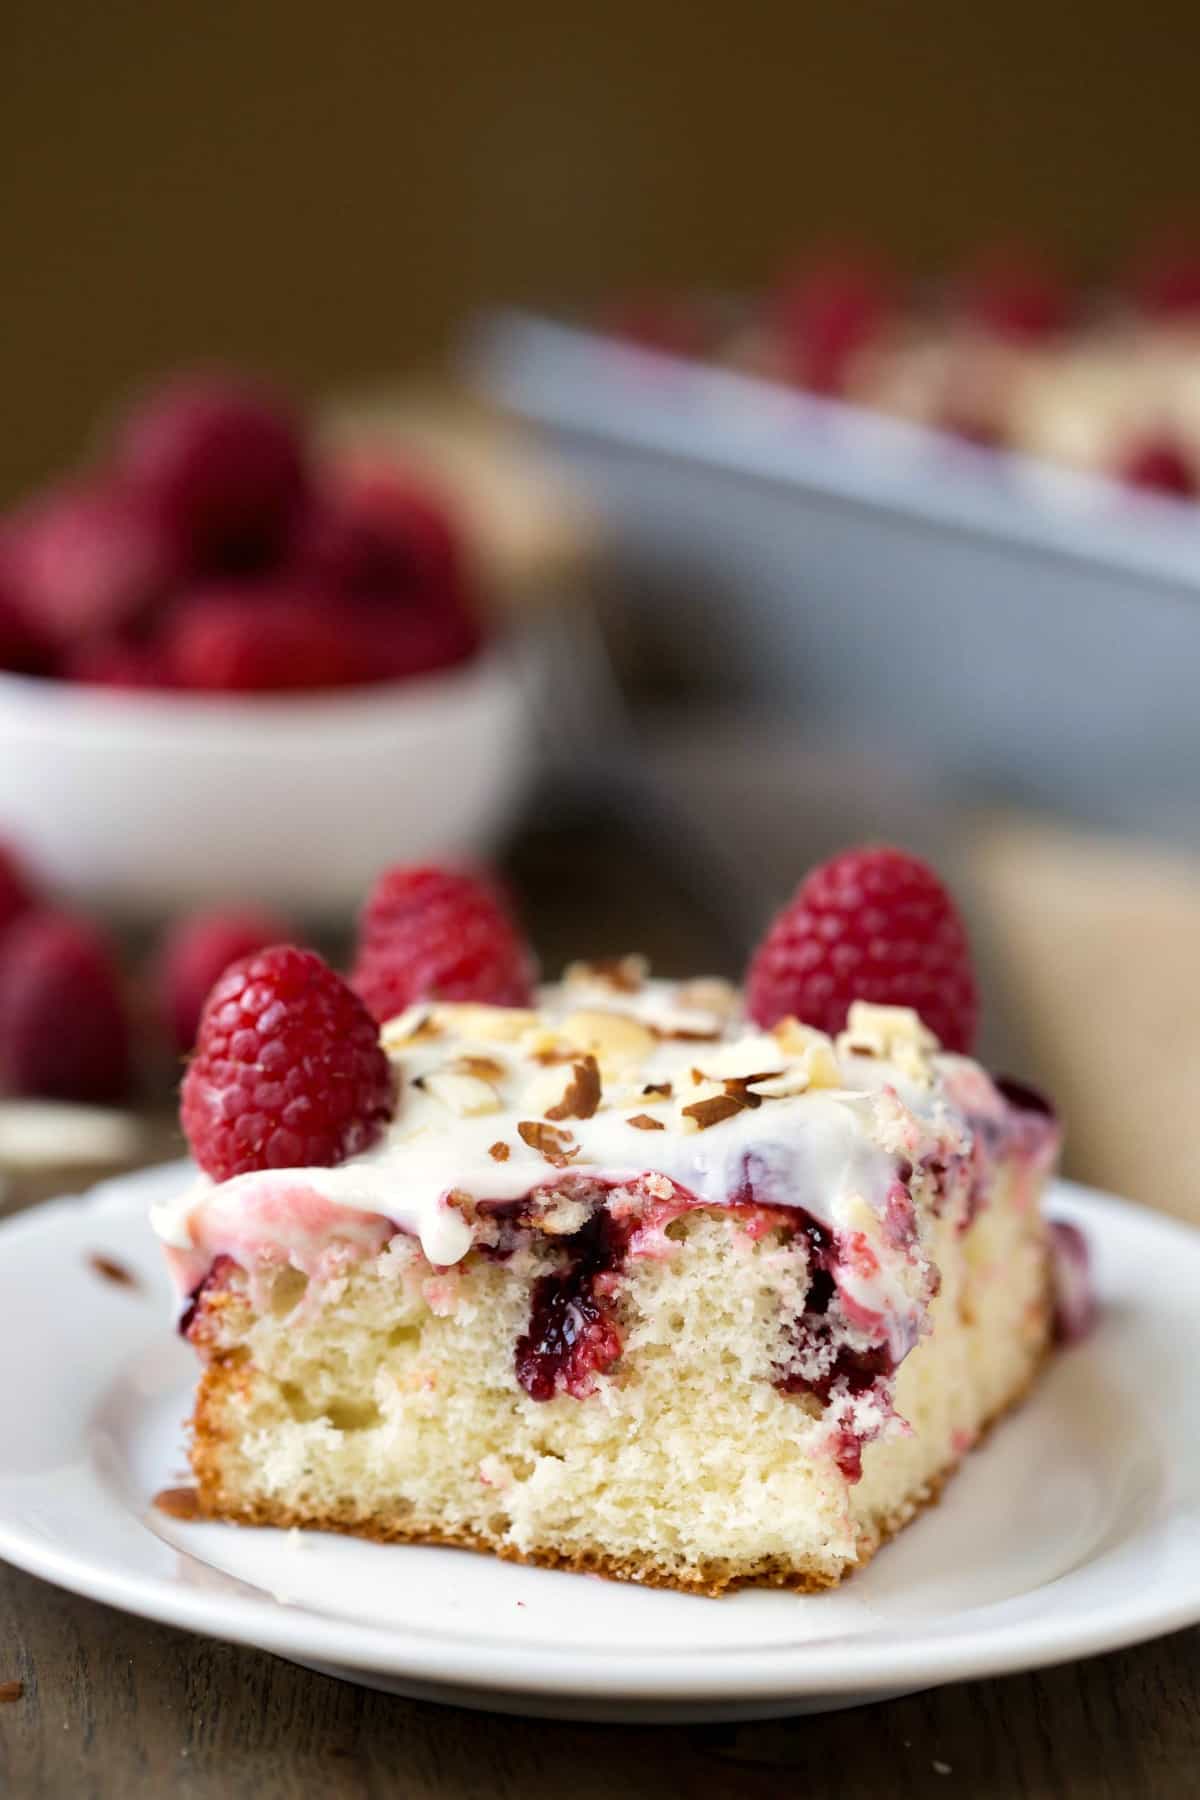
(832, 1149)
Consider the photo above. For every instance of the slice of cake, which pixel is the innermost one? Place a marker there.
(622, 1280)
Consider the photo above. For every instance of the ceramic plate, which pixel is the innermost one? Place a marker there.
(1075, 1529)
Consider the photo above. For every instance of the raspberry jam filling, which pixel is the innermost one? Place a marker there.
(822, 1361)
(571, 1337)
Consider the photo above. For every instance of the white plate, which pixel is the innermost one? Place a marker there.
(1074, 1530)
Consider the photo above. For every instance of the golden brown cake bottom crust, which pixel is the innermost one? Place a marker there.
(711, 1578)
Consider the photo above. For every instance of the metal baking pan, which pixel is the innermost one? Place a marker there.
(1016, 628)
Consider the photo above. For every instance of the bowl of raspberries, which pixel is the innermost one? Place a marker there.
(223, 648)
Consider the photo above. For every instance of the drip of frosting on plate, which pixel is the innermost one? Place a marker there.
(614, 1077)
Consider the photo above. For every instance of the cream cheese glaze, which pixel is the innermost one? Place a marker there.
(612, 1077)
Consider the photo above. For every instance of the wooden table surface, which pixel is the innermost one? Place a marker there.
(117, 1708)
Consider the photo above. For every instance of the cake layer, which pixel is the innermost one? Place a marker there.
(693, 1410)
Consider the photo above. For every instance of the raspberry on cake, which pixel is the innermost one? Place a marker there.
(871, 924)
(439, 934)
(629, 1283)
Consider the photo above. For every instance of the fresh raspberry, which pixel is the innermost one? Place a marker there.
(64, 1033)
(439, 934)
(252, 637)
(403, 640)
(1013, 294)
(1161, 466)
(86, 561)
(222, 463)
(119, 663)
(24, 647)
(377, 533)
(1165, 280)
(16, 890)
(386, 545)
(827, 315)
(288, 1071)
(872, 924)
(195, 953)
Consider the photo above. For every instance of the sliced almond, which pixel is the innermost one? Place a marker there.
(485, 1068)
(810, 1050)
(618, 1042)
(499, 1151)
(544, 1045)
(556, 1145)
(643, 1122)
(623, 974)
(414, 1025)
(465, 1095)
(895, 1033)
(709, 994)
(789, 1082)
(711, 1109)
(755, 1053)
(582, 1096)
(498, 1024)
(546, 1089)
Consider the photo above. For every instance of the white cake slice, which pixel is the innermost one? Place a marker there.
(629, 1285)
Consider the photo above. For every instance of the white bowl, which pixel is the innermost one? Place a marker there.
(142, 804)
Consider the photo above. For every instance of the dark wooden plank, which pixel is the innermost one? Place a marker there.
(116, 1707)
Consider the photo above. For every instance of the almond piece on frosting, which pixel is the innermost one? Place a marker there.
(414, 1025)
(552, 1143)
(711, 1105)
(465, 1095)
(618, 1042)
(582, 1094)
(895, 1033)
(622, 974)
(470, 1020)
(811, 1049)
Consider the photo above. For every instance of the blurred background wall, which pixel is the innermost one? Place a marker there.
(323, 191)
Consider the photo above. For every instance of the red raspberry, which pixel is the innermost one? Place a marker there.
(64, 1032)
(378, 533)
(826, 316)
(1165, 280)
(1161, 466)
(288, 1071)
(222, 464)
(195, 952)
(872, 924)
(116, 663)
(1013, 294)
(251, 637)
(85, 562)
(397, 642)
(24, 647)
(387, 545)
(439, 934)
(16, 891)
